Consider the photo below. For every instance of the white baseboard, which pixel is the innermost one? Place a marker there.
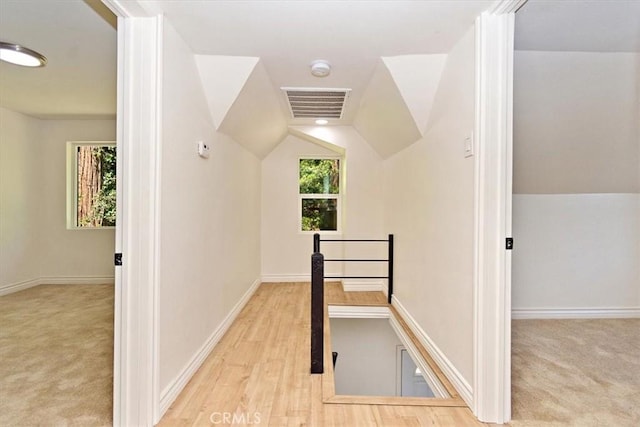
(575, 313)
(78, 280)
(362, 285)
(436, 386)
(286, 278)
(75, 280)
(358, 312)
(18, 286)
(171, 392)
(459, 382)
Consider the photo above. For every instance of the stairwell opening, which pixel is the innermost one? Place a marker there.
(376, 361)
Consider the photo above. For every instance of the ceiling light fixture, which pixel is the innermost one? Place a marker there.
(320, 68)
(20, 55)
(322, 121)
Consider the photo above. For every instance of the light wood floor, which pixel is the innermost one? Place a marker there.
(259, 372)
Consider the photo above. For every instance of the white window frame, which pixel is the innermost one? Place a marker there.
(337, 197)
(72, 182)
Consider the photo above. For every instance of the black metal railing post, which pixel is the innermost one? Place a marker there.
(317, 292)
(317, 312)
(390, 287)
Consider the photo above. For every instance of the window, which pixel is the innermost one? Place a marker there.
(91, 184)
(319, 181)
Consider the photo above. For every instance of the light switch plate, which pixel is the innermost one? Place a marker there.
(468, 145)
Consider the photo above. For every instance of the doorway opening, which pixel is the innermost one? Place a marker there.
(576, 212)
(56, 275)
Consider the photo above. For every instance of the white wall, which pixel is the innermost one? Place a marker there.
(366, 364)
(286, 252)
(210, 219)
(576, 251)
(576, 183)
(36, 245)
(69, 253)
(20, 194)
(576, 122)
(429, 192)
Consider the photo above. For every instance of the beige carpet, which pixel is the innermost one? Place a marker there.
(576, 373)
(56, 352)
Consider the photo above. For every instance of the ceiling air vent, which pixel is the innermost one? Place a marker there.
(312, 103)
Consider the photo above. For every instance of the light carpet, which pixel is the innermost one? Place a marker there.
(576, 372)
(56, 348)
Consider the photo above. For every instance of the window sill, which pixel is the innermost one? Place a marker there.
(322, 233)
(90, 228)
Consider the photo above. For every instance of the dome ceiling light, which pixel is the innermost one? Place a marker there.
(20, 55)
(320, 68)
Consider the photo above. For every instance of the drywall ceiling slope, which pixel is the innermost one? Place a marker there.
(223, 77)
(417, 78)
(322, 136)
(256, 120)
(384, 119)
(79, 80)
(352, 35)
(579, 25)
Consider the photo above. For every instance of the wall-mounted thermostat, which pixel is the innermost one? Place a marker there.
(203, 149)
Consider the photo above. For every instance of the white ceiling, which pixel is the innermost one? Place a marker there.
(352, 35)
(579, 25)
(79, 80)
(285, 37)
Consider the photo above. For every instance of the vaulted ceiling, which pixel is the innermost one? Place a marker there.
(390, 53)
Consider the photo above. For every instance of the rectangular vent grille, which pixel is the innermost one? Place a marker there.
(316, 103)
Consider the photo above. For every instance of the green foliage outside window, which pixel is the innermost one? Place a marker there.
(319, 177)
(319, 214)
(104, 204)
(96, 203)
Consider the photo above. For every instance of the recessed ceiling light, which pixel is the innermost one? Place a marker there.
(20, 55)
(320, 68)
(322, 121)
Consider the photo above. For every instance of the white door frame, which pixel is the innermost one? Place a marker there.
(135, 377)
(136, 391)
(493, 178)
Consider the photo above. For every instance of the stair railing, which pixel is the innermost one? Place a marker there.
(317, 291)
